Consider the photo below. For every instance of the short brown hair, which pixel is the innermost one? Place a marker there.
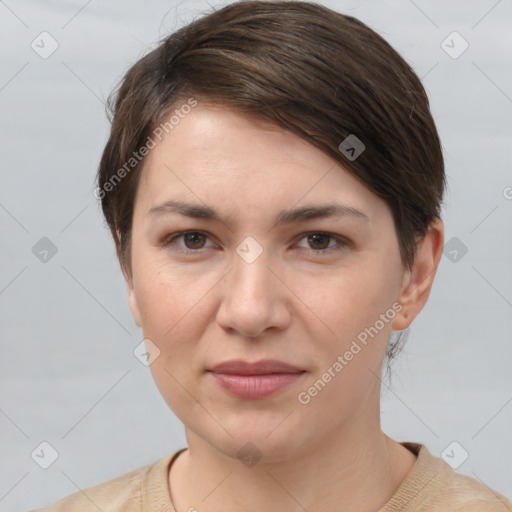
(306, 68)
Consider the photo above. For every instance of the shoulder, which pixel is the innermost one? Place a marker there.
(123, 493)
(433, 486)
(467, 494)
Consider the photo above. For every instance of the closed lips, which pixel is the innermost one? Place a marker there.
(264, 367)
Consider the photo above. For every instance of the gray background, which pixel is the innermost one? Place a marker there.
(68, 374)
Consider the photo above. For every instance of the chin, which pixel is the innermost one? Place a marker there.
(258, 442)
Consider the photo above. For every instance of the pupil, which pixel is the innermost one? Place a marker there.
(193, 237)
(314, 239)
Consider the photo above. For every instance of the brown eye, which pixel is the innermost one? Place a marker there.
(194, 240)
(319, 241)
(186, 242)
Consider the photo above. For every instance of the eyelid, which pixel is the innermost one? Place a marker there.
(342, 242)
(340, 239)
(168, 240)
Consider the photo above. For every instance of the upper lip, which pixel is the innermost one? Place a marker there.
(263, 367)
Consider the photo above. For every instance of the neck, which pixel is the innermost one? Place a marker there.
(356, 470)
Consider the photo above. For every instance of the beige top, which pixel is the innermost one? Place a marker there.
(431, 485)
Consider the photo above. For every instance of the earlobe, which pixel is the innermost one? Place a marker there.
(418, 281)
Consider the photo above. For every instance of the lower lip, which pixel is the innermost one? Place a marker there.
(256, 386)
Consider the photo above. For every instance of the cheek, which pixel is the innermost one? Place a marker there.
(351, 300)
(175, 310)
(171, 309)
(164, 295)
(350, 356)
(351, 304)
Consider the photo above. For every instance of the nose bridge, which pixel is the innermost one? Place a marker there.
(250, 279)
(250, 301)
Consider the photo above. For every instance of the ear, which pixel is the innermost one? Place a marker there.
(132, 302)
(130, 289)
(417, 282)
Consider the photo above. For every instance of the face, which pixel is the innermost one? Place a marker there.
(299, 263)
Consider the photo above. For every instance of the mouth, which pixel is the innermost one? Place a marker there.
(255, 380)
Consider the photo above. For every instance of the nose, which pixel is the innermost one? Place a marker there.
(253, 298)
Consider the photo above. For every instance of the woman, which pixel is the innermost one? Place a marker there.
(273, 183)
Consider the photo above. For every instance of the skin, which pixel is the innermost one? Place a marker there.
(294, 303)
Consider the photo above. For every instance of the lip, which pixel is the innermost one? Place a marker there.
(255, 380)
(263, 367)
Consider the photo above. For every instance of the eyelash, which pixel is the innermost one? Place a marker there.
(342, 242)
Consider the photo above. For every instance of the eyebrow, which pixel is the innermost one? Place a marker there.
(294, 215)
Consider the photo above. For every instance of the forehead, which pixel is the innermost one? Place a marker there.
(213, 135)
(220, 157)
